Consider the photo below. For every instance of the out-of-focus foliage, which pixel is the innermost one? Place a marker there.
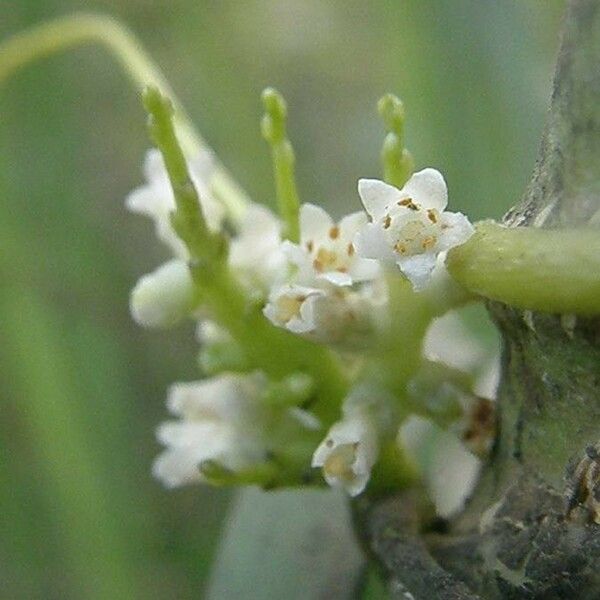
(81, 387)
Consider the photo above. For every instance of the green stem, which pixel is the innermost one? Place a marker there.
(398, 356)
(67, 32)
(547, 270)
(275, 351)
(274, 131)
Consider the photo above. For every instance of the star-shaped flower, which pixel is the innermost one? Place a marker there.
(410, 226)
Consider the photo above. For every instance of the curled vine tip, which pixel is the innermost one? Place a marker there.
(397, 161)
(273, 126)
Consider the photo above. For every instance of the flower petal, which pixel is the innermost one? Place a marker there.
(315, 223)
(337, 278)
(154, 165)
(418, 269)
(457, 229)
(428, 188)
(294, 253)
(351, 223)
(364, 269)
(370, 242)
(376, 196)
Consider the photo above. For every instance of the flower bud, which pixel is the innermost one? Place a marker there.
(164, 297)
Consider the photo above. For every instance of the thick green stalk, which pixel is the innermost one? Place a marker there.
(547, 270)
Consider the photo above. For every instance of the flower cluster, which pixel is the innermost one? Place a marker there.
(221, 420)
(331, 291)
(300, 345)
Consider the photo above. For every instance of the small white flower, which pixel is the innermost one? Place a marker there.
(348, 453)
(155, 198)
(220, 419)
(410, 226)
(164, 297)
(326, 251)
(256, 253)
(351, 447)
(324, 315)
(295, 307)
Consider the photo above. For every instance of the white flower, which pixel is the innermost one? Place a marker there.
(322, 301)
(294, 307)
(409, 226)
(155, 198)
(256, 253)
(164, 297)
(351, 447)
(220, 419)
(348, 453)
(323, 315)
(326, 251)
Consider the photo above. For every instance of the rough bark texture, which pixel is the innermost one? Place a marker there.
(527, 531)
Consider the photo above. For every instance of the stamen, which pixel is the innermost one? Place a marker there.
(429, 242)
(340, 461)
(408, 203)
(334, 232)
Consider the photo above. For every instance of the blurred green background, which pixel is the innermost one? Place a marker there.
(81, 387)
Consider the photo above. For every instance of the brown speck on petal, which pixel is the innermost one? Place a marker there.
(408, 203)
(310, 245)
(387, 222)
(350, 250)
(334, 232)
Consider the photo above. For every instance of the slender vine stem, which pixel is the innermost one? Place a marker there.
(75, 30)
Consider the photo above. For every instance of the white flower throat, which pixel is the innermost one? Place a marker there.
(413, 229)
(333, 253)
